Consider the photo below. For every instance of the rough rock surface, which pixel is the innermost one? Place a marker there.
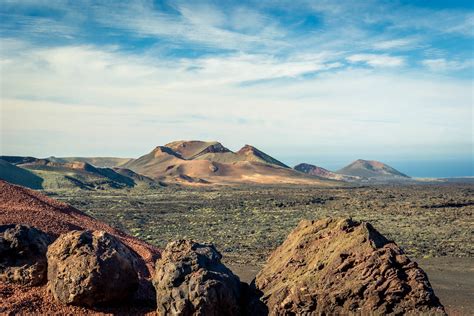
(23, 254)
(338, 266)
(19, 205)
(91, 268)
(191, 280)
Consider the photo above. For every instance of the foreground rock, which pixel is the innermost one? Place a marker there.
(91, 268)
(341, 267)
(191, 280)
(23, 254)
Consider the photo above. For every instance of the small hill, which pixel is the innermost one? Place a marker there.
(15, 160)
(73, 175)
(101, 162)
(16, 175)
(372, 169)
(323, 173)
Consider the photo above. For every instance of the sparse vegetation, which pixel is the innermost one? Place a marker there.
(247, 222)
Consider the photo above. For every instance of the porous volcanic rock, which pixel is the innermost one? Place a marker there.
(23, 254)
(91, 268)
(191, 280)
(339, 266)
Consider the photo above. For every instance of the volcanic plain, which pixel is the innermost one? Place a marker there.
(433, 223)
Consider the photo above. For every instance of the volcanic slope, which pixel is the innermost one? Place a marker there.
(101, 162)
(323, 173)
(371, 169)
(73, 175)
(211, 162)
(13, 174)
(19, 205)
(216, 152)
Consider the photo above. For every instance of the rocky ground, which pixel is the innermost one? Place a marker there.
(430, 222)
(246, 223)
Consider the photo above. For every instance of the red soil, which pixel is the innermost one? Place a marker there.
(19, 205)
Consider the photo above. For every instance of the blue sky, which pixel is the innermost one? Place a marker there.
(324, 82)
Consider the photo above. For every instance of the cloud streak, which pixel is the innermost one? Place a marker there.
(123, 77)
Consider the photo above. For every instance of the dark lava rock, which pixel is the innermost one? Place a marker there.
(338, 266)
(23, 254)
(191, 280)
(91, 268)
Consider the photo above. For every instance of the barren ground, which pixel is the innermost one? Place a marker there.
(433, 223)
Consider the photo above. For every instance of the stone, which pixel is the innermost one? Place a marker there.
(339, 266)
(23, 254)
(91, 268)
(191, 280)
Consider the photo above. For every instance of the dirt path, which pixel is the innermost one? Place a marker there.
(451, 278)
(453, 282)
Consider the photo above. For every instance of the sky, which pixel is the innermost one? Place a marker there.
(323, 82)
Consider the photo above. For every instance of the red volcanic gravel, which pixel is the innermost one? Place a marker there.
(19, 205)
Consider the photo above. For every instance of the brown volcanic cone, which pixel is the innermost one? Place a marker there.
(343, 267)
(19, 205)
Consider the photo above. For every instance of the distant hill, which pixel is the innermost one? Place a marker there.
(16, 175)
(73, 175)
(199, 162)
(324, 173)
(216, 152)
(15, 160)
(103, 162)
(371, 169)
(181, 162)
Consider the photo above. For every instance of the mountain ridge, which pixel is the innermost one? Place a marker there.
(200, 162)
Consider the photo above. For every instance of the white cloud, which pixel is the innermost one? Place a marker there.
(441, 64)
(398, 43)
(85, 100)
(377, 60)
(203, 24)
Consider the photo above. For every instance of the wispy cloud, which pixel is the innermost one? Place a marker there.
(441, 64)
(376, 60)
(286, 72)
(397, 43)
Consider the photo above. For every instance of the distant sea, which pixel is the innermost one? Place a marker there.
(414, 168)
(435, 169)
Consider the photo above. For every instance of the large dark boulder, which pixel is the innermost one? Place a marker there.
(191, 280)
(91, 268)
(340, 267)
(23, 254)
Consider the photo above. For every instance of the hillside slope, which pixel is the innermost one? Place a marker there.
(210, 162)
(323, 173)
(371, 169)
(20, 176)
(102, 162)
(74, 175)
(19, 205)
